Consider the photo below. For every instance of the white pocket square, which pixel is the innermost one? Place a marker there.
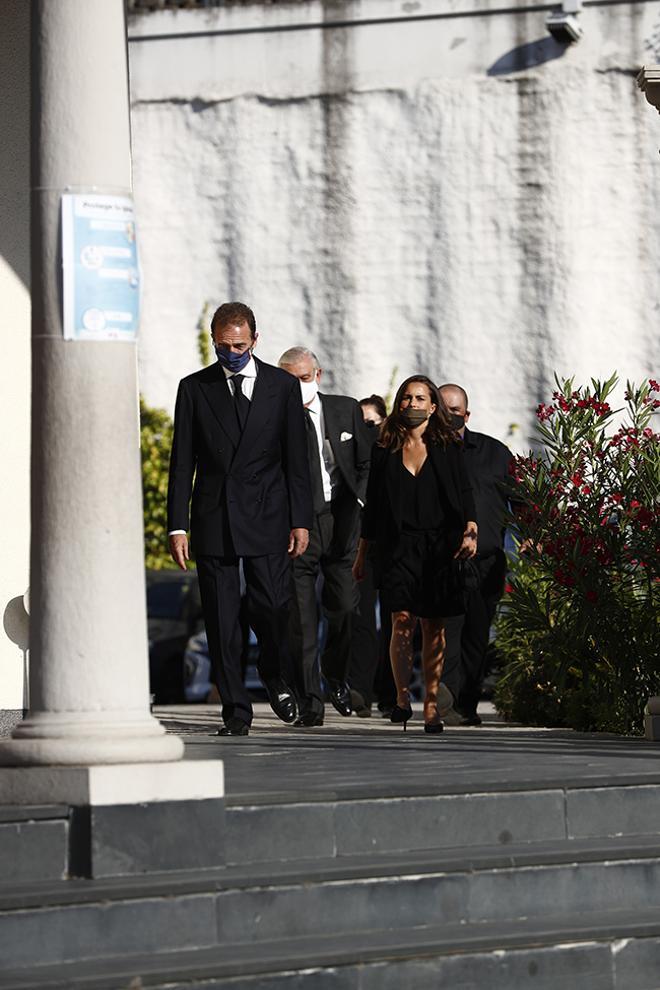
(346, 436)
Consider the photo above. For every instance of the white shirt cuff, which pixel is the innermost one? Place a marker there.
(177, 532)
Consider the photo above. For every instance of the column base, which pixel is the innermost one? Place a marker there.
(125, 820)
(87, 739)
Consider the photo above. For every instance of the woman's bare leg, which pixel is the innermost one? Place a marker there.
(401, 654)
(433, 656)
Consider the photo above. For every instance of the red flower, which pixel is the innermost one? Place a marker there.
(544, 412)
(591, 596)
(653, 385)
(577, 479)
(509, 589)
(586, 489)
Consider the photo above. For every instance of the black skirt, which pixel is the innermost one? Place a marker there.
(419, 578)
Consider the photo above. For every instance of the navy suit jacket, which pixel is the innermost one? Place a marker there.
(248, 489)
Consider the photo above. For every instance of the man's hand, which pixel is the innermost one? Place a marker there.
(358, 569)
(298, 542)
(179, 550)
(468, 547)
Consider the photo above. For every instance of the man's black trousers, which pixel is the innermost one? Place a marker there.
(268, 581)
(339, 600)
(467, 636)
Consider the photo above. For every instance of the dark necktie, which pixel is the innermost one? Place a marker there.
(241, 401)
(314, 463)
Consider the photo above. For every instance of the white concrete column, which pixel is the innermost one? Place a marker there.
(88, 638)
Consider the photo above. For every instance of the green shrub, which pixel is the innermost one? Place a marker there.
(579, 630)
(156, 429)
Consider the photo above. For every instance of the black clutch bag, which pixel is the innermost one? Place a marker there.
(465, 575)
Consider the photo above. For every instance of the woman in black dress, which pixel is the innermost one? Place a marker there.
(420, 516)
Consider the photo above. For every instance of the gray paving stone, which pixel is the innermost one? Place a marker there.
(578, 967)
(633, 810)
(637, 964)
(537, 891)
(340, 907)
(273, 832)
(71, 933)
(449, 820)
(143, 838)
(342, 978)
(33, 851)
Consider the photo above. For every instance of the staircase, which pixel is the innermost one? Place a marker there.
(502, 885)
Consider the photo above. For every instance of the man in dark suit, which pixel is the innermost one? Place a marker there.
(487, 463)
(339, 449)
(240, 446)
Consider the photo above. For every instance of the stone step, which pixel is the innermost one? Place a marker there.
(34, 841)
(614, 950)
(374, 824)
(51, 923)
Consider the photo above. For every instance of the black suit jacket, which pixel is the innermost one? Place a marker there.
(381, 519)
(249, 489)
(343, 418)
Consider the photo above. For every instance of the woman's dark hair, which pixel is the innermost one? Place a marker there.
(378, 402)
(438, 430)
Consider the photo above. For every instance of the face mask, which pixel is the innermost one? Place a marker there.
(456, 422)
(230, 360)
(371, 424)
(413, 417)
(308, 391)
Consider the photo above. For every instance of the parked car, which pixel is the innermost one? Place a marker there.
(197, 684)
(174, 613)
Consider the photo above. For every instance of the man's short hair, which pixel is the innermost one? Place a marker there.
(459, 388)
(234, 313)
(296, 354)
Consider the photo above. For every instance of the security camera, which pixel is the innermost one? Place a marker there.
(563, 24)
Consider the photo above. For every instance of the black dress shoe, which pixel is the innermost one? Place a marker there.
(359, 705)
(471, 720)
(234, 727)
(282, 700)
(340, 697)
(308, 719)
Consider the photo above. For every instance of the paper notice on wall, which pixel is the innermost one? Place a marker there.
(101, 279)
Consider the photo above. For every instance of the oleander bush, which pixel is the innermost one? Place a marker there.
(579, 629)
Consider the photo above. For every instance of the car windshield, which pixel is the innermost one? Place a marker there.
(165, 599)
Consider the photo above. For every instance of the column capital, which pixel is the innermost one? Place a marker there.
(648, 81)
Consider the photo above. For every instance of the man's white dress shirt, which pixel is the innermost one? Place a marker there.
(329, 470)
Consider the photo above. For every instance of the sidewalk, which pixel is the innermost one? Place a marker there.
(349, 757)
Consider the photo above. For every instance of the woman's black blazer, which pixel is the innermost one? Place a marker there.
(381, 518)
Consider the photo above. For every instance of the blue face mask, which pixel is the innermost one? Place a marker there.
(230, 360)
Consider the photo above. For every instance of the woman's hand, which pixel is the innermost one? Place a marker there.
(468, 547)
(358, 568)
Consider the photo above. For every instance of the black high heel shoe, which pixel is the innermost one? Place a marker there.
(433, 727)
(401, 715)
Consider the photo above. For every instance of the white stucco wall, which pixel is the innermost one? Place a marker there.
(15, 326)
(454, 194)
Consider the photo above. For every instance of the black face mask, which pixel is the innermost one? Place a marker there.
(371, 424)
(456, 422)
